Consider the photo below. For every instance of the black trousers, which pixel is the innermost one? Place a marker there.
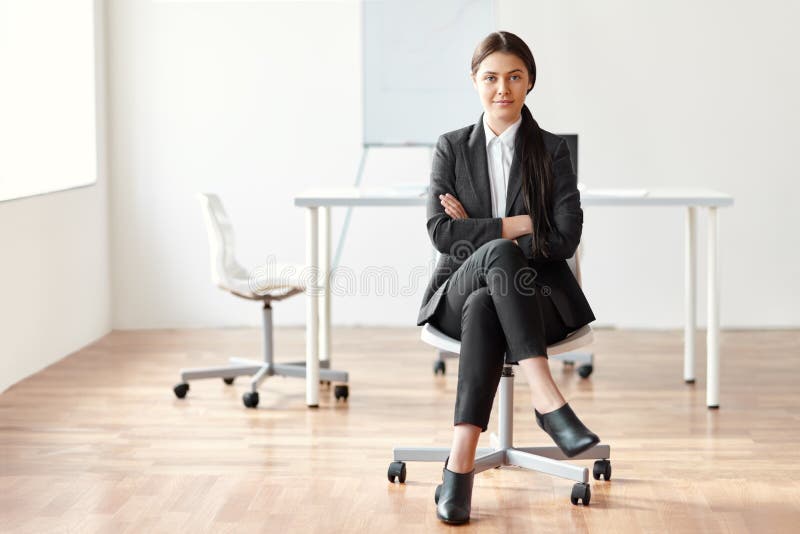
(493, 305)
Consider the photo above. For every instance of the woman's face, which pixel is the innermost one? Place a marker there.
(502, 82)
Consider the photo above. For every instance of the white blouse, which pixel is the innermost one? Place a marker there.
(499, 154)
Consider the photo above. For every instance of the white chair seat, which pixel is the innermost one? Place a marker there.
(438, 339)
(273, 279)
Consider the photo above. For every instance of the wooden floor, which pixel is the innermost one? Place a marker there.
(99, 443)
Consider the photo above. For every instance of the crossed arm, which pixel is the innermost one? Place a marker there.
(510, 227)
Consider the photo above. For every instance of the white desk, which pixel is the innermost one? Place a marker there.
(318, 202)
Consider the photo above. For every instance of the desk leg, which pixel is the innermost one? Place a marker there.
(712, 335)
(325, 296)
(312, 308)
(690, 296)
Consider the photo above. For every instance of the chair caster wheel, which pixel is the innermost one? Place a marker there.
(585, 370)
(181, 389)
(439, 367)
(602, 468)
(228, 380)
(436, 495)
(397, 470)
(341, 392)
(581, 491)
(250, 399)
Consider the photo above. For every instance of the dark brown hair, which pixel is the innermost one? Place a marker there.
(535, 162)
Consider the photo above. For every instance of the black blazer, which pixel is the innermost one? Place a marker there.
(461, 169)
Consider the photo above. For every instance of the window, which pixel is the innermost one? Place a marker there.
(48, 134)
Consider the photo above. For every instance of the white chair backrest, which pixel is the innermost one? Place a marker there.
(224, 266)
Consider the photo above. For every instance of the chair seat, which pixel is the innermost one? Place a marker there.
(273, 279)
(575, 340)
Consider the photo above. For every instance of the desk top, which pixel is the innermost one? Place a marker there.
(416, 195)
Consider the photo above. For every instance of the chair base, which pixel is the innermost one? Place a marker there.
(540, 459)
(502, 453)
(261, 370)
(545, 460)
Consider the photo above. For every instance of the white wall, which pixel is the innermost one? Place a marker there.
(258, 100)
(55, 278)
(254, 101)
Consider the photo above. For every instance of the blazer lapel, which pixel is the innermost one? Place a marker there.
(514, 182)
(478, 168)
(515, 178)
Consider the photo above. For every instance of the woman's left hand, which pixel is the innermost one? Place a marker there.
(453, 207)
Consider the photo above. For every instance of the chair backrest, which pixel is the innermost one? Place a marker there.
(221, 241)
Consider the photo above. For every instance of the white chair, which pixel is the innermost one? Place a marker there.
(273, 282)
(546, 460)
(585, 360)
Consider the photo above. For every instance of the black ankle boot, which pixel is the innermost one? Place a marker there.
(454, 496)
(571, 436)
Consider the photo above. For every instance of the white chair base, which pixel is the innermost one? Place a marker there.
(261, 370)
(502, 453)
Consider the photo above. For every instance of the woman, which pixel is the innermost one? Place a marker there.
(504, 211)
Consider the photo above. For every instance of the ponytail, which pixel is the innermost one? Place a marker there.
(537, 180)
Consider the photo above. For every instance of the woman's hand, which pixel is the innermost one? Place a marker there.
(453, 207)
(516, 226)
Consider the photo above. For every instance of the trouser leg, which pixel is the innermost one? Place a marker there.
(481, 360)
